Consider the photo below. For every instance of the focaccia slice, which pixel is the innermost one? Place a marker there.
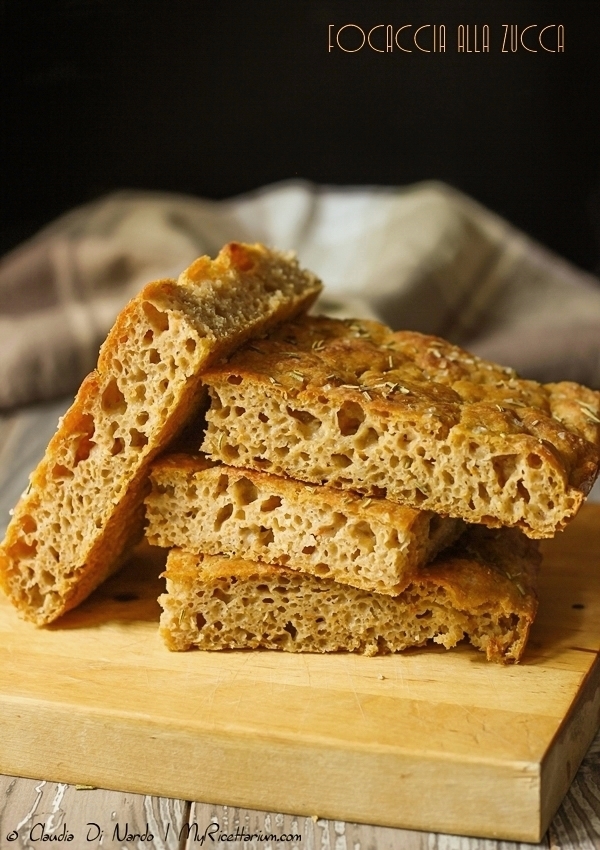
(408, 417)
(483, 589)
(373, 544)
(83, 507)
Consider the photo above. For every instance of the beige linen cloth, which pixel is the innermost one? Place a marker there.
(423, 257)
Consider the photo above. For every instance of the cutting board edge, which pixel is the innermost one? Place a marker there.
(415, 793)
(569, 746)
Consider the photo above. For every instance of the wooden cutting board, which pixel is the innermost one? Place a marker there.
(430, 739)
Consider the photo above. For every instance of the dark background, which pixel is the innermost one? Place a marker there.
(216, 98)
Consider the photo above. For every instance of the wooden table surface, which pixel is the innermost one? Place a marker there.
(35, 812)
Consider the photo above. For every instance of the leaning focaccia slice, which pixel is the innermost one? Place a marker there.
(483, 589)
(408, 417)
(83, 507)
(373, 544)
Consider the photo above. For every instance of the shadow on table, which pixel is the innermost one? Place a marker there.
(130, 595)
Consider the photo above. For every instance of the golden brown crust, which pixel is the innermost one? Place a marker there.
(483, 589)
(409, 416)
(83, 506)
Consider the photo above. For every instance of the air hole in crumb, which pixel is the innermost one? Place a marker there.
(229, 452)
(292, 630)
(350, 417)
(266, 535)
(504, 466)
(148, 337)
(244, 491)
(47, 578)
(190, 345)
(113, 400)
(523, 492)
(28, 524)
(22, 550)
(309, 550)
(158, 319)
(85, 444)
(321, 569)
(534, 461)
(340, 461)
(153, 356)
(222, 515)
(117, 446)
(220, 594)
(234, 379)
(263, 417)
(222, 485)
(60, 471)
(138, 440)
(218, 625)
(200, 621)
(142, 417)
(270, 504)
(309, 424)
(363, 531)
(367, 437)
(261, 462)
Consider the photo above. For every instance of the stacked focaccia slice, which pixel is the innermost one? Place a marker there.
(359, 580)
(83, 509)
(399, 419)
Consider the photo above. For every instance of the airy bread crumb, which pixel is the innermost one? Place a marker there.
(83, 508)
(373, 544)
(483, 589)
(408, 417)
